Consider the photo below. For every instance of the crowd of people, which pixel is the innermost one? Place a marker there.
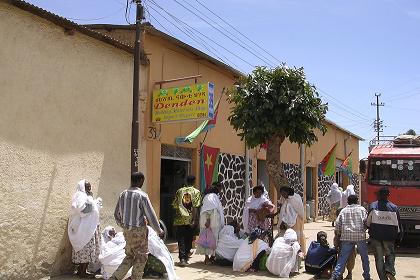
(248, 246)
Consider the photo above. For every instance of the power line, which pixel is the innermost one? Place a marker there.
(188, 33)
(99, 18)
(231, 26)
(344, 106)
(205, 36)
(266, 60)
(227, 36)
(155, 19)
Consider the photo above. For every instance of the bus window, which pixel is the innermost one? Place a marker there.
(398, 172)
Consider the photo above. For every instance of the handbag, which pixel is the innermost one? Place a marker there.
(206, 239)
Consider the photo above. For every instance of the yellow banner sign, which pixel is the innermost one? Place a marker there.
(189, 103)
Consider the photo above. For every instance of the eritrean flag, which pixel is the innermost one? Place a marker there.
(209, 166)
(327, 165)
(347, 166)
(204, 127)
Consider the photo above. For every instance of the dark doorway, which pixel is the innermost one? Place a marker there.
(172, 176)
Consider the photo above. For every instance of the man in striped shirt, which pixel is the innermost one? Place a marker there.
(132, 210)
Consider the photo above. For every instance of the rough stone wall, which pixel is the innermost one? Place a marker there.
(293, 174)
(324, 184)
(355, 179)
(231, 175)
(66, 103)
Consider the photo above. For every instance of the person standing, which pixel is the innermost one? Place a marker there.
(334, 199)
(384, 229)
(257, 210)
(83, 228)
(350, 226)
(186, 204)
(292, 214)
(211, 219)
(132, 210)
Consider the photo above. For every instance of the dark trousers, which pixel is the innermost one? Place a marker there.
(184, 236)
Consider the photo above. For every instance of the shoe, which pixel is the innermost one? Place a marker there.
(183, 263)
(390, 276)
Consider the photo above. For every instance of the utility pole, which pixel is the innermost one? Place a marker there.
(136, 88)
(378, 122)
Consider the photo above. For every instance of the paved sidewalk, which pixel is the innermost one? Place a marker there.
(408, 266)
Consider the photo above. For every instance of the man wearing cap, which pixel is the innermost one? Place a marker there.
(384, 229)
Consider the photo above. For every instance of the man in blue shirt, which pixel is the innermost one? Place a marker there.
(384, 229)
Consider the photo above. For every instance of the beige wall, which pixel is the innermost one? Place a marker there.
(66, 115)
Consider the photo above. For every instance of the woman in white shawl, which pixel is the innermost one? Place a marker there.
(292, 214)
(256, 210)
(211, 216)
(113, 253)
(250, 252)
(228, 243)
(349, 191)
(334, 199)
(283, 259)
(83, 228)
(160, 259)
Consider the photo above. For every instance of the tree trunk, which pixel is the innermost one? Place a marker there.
(275, 171)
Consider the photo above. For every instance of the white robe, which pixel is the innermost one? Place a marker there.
(349, 191)
(113, 253)
(228, 243)
(247, 253)
(334, 195)
(283, 257)
(211, 201)
(82, 226)
(158, 249)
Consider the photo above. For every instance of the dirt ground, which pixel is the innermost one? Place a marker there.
(407, 264)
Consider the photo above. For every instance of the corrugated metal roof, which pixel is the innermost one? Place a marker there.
(68, 24)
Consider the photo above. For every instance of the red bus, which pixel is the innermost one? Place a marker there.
(394, 162)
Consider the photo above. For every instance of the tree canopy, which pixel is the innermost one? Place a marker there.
(410, 132)
(277, 102)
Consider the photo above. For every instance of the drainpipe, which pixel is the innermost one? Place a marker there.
(247, 186)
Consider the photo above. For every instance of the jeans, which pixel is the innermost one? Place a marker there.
(345, 251)
(381, 250)
(184, 236)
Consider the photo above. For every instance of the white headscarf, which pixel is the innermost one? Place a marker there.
(334, 195)
(105, 234)
(228, 243)
(158, 249)
(211, 201)
(349, 191)
(82, 226)
(112, 251)
(252, 203)
(282, 259)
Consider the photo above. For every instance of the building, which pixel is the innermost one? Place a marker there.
(165, 158)
(68, 89)
(66, 93)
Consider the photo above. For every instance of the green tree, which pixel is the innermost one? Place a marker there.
(270, 105)
(410, 132)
